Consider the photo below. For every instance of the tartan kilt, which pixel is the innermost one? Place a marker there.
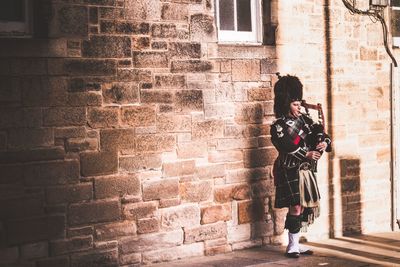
(287, 191)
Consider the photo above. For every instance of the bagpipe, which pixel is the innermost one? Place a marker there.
(317, 134)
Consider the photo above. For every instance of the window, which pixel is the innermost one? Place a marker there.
(239, 21)
(395, 22)
(15, 18)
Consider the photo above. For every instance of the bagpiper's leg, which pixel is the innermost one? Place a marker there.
(293, 224)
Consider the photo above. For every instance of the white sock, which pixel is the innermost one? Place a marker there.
(293, 245)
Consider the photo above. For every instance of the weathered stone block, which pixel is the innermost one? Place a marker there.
(195, 191)
(103, 117)
(268, 65)
(38, 91)
(189, 100)
(139, 210)
(156, 96)
(259, 157)
(164, 31)
(70, 21)
(28, 66)
(173, 123)
(94, 259)
(189, 150)
(148, 225)
(70, 132)
(138, 115)
(140, 162)
(280, 216)
(210, 171)
(120, 185)
(134, 75)
(174, 11)
(97, 163)
(139, 10)
(80, 231)
(159, 45)
(84, 99)
(205, 232)
(238, 233)
(207, 129)
(75, 244)
(140, 43)
(165, 203)
(83, 67)
(180, 168)
(250, 211)
(211, 251)
(169, 254)
(149, 59)
(191, 66)
(169, 81)
(78, 145)
(216, 213)
(260, 94)
(35, 229)
(227, 193)
(69, 194)
(186, 215)
(124, 27)
(35, 250)
(94, 212)
(115, 230)
(155, 143)
(51, 173)
(263, 189)
(185, 50)
(368, 53)
(133, 258)
(22, 207)
(262, 229)
(107, 47)
(245, 70)
(117, 139)
(121, 93)
(166, 188)
(202, 28)
(151, 242)
(25, 138)
(249, 113)
(64, 117)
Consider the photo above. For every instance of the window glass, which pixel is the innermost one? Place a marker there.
(226, 15)
(12, 10)
(244, 15)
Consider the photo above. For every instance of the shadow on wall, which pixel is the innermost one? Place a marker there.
(351, 196)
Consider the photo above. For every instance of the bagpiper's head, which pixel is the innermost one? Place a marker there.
(288, 92)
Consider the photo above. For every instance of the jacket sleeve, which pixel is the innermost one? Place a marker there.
(285, 143)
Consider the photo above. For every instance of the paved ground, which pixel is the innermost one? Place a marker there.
(356, 251)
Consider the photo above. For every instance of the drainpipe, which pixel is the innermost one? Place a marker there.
(394, 112)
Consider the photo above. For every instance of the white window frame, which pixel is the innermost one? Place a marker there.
(253, 37)
(18, 29)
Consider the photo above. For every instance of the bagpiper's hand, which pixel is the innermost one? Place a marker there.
(322, 146)
(314, 155)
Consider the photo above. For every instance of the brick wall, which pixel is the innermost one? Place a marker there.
(344, 67)
(129, 135)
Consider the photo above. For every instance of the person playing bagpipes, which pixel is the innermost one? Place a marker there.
(300, 143)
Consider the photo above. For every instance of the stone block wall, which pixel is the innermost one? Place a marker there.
(128, 136)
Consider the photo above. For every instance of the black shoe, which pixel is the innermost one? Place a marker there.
(293, 255)
(307, 252)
